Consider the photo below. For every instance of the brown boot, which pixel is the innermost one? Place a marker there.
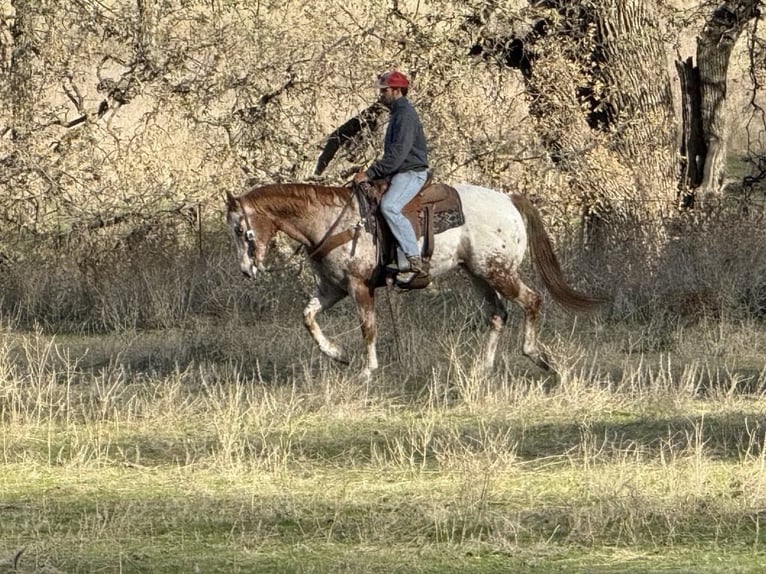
(417, 265)
(417, 277)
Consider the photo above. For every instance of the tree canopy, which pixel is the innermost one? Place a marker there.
(123, 112)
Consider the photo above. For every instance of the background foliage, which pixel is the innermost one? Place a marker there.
(125, 121)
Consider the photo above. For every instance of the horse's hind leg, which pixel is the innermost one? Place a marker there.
(498, 316)
(530, 300)
(510, 286)
(324, 297)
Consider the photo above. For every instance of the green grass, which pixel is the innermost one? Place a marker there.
(632, 463)
(167, 519)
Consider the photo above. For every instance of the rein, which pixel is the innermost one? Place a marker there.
(330, 242)
(250, 236)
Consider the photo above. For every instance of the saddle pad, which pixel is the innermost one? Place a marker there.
(444, 203)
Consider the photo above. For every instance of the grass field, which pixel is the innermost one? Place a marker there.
(236, 448)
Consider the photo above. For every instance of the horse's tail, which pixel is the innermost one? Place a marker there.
(546, 262)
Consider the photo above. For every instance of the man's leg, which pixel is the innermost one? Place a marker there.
(401, 190)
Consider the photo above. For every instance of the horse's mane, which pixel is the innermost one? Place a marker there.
(294, 198)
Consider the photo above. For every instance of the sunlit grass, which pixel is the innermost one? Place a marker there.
(628, 463)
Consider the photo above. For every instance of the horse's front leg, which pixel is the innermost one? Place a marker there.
(324, 297)
(364, 297)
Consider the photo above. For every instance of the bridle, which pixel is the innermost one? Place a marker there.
(250, 240)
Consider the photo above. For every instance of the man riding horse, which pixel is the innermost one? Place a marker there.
(405, 165)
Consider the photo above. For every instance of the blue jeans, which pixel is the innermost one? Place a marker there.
(402, 188)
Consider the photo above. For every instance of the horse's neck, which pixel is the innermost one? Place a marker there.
(296, 229)
(310, 225)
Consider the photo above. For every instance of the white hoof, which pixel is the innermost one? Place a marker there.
(335, 353)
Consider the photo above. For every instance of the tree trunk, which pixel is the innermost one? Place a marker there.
(638, 93)
(703, 146)
(692, 145)
(348, 134)
(145, 33)
(600, 92)
(21, 70)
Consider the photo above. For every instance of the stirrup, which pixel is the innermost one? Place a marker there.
(393, 267)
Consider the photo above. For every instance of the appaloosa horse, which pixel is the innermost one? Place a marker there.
(326, 220)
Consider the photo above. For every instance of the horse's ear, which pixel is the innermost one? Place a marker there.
(231, 201)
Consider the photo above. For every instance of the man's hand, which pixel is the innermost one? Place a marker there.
(360, 177)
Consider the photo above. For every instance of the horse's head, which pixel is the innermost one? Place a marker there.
(252, 234)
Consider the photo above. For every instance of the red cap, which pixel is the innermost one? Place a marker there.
(393, 79)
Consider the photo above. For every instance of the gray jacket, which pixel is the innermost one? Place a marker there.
(404, 148)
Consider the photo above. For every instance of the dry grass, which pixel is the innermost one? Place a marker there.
(115, 458)
(195, 427)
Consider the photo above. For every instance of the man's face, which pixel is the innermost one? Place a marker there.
(387, 96)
